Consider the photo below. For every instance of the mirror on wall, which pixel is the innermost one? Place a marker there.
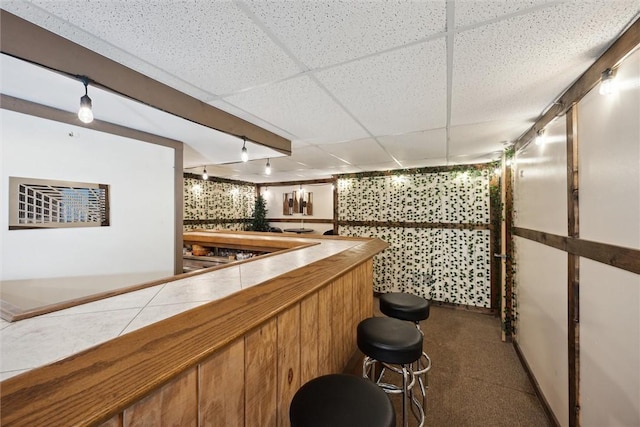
(297, 202)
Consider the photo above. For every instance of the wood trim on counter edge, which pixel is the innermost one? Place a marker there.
(616, 256)
(79, 390)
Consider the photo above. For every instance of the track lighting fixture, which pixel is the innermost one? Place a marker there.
(244, 156)
(205, 176)
(267, 168)
(607, 82)
(84, 113)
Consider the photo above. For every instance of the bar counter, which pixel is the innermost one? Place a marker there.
(227, 346)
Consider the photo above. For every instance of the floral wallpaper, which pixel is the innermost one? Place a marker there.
(433, 261)
(220, 201)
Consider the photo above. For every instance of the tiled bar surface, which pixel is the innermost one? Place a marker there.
(38, 341)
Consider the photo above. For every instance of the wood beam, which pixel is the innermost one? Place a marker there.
(27, 41)
(573, 268)
(610, 59)
(616, 256)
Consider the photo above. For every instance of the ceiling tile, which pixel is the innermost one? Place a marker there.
(484, 137)
(416, 145)
(302, 108)
(469, 12)
(211, 45)
(360, 152)
(423, 163)
(369, 89)
(258, 121)
(499, 66)
(383, 166)
(314, 157)
(57, 25)
(321, 33)
(286, 164)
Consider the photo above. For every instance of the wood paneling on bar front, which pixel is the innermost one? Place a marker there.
(175, 404)
(289, 354)
(261, 368)
(193, 363)
(222, 387)
(309, 338)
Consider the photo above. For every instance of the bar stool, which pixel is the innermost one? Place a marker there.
(413, 309)
(393, 345)
(339, 400)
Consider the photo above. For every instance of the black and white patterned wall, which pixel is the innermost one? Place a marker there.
(433, 260)
(226, 203)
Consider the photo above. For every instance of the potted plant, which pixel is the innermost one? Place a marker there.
(259, 220)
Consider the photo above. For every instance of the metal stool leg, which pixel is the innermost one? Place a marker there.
(409, 379)
(423, 366)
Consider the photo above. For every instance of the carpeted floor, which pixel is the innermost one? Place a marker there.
(476, 379)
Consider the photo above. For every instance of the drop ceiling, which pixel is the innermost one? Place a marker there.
(355, 85)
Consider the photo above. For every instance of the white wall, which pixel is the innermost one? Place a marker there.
(540, 203)
(609, 135)
(541, 328)
(609, 345)
(540, 183)
(609, 212)
(141, 179)
(322, 206)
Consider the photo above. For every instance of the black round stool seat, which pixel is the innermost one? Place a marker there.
(339, 400)
(389, 340)
(404, 306)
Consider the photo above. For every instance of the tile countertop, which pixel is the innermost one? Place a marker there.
(40, 340)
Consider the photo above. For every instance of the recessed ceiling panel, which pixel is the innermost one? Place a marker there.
(370, 89)
(416, 145)
(516, 68)
(322, 33)
(302, 108)
(210, 44)
(360, 152)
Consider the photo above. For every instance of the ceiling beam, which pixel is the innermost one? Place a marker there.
(27, 41)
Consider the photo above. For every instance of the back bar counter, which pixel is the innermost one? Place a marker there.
(235, 360)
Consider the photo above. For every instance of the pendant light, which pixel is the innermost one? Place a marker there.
(267, 168)
(244, 156)
(205, 176)
(84, 113)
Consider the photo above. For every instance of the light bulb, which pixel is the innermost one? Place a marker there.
(607, 82)
(84, 113)
(267, 168)
(204, 174)
(540, 138)
(244, 156)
